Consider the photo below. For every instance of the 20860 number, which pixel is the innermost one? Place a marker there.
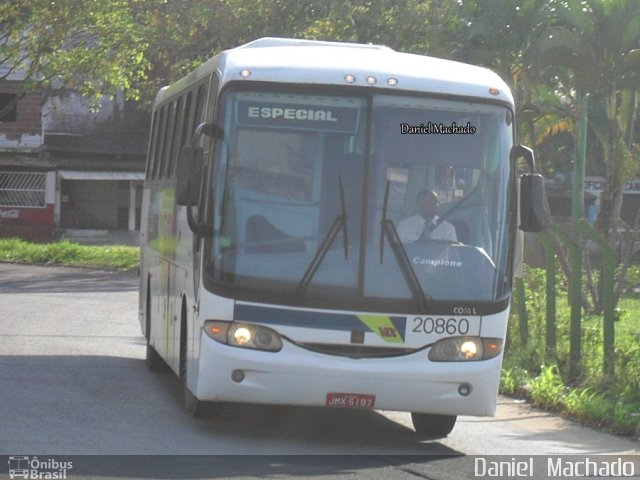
(441, 326)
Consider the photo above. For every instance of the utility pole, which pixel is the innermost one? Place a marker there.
(577, 214)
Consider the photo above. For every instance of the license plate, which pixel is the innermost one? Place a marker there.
(351, 400)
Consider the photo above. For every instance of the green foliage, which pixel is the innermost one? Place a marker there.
(498, 34)
(400, 24)
(607, 410)
(611, 404)
(596, 42)
(175, 36)
(628, 359)
(180, 34)
(547, 388)
(514, 381)
(68, 253)
(92, 46)
(602, 411)
(633, 279)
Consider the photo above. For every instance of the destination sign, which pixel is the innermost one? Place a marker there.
(315, 117)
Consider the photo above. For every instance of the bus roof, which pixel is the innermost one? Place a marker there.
(282, 60)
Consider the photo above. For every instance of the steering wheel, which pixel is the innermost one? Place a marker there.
(444, 241)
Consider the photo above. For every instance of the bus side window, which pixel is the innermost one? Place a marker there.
(199, 106)
(168, 140)
(190, 119)
(177, 134)
(186, 122)
(152, 145)
(157, 158)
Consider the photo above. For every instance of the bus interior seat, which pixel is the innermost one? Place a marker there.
(262, 236)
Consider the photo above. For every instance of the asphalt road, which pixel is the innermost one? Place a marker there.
(73, 382)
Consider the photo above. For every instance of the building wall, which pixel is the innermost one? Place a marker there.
(27, 196)
(27, 205)
(25, 132)
(70, 113)
(47, 134)
(90, 204)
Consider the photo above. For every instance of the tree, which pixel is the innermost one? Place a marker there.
(499, 35)
(102, 46)
(182, 34)
(402, 25)
(92, 46)
(598, 42)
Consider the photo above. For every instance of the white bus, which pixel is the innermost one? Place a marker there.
(272, 266)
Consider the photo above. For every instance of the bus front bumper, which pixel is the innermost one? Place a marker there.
(296, 376)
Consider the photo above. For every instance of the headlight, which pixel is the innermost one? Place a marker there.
(243, 335)
(464, 349)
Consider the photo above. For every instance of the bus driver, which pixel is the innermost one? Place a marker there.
(424, 225)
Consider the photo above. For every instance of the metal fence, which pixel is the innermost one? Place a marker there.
(22, 189)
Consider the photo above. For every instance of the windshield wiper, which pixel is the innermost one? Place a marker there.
(389, 232)
(340, 223)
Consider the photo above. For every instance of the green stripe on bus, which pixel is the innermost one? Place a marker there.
(383, 327)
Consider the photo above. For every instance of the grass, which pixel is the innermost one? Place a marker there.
(69, 253)
(610, 404)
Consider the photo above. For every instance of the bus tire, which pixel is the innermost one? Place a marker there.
(191, 404)
(433, 426)
(152, 359)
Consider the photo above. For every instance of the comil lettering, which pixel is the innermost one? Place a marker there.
(292, 114)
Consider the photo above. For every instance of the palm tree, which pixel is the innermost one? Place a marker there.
(499, 34)
(598, 41)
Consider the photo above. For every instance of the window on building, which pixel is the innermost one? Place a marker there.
(8, 107)
(20, 189)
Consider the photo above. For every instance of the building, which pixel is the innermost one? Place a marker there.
(67, 171)
(27, 179)
(559, 195)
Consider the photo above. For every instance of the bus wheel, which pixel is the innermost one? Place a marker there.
(193, 406)
(433, 426)
(153, 359)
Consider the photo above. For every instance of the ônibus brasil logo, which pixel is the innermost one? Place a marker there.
(33, 468)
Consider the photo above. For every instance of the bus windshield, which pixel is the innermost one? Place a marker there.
(361, 199)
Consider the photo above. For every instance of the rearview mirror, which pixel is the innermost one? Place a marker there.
(189, 168)
(531, 202)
